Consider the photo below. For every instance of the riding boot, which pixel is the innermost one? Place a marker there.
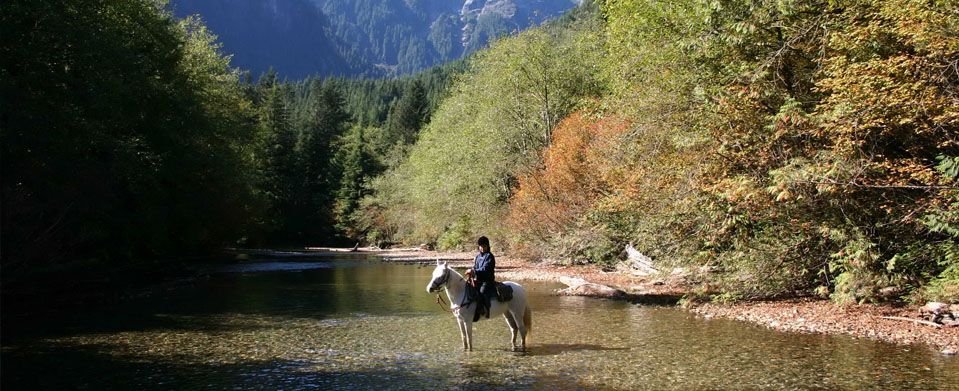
(480, 308)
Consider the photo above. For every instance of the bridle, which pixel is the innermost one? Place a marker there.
(436, 284)
(443, 280)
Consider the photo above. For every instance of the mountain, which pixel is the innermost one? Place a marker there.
(289, 35)
(300, 38)
(403, 36)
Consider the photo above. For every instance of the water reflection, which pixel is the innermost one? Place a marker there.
(365, 325)
(274, 267)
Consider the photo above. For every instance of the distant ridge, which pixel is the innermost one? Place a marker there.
(371, 38)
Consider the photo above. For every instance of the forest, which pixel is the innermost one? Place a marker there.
(802, 147)
(127, 138)
(787, 147)
(360, 38)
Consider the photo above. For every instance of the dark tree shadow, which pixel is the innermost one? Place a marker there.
(90, 367)
(654, 299)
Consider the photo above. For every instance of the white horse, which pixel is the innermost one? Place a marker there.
(464, 309)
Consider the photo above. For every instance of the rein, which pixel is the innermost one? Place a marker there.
(444, 305)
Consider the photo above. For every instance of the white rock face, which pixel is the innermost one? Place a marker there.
(518, 12)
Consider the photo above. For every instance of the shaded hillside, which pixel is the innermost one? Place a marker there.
(372, 38)
(289, 35)
(399, 37)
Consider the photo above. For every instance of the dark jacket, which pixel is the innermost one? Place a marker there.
(483, 265)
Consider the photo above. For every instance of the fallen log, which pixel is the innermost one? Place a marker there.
(637, 263)
(919, 321)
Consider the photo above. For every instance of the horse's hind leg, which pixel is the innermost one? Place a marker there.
(521, 325)
(512, 327)
(469, 334)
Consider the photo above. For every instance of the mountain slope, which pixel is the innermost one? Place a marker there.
(289, 35)
(403, 36)
(361, 37)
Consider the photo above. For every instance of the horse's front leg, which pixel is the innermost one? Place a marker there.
(462, 325)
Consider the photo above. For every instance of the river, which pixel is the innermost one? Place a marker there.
(338, 323)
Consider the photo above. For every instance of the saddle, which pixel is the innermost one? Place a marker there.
(503, 293)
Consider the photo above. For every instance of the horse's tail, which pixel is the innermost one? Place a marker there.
(528, 320)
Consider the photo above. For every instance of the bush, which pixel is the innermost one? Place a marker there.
(457, 237)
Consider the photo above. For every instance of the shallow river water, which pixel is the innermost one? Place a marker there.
(361, 324)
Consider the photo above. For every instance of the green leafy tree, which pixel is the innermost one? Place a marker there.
(279, 164)
(125, 136)
(493, 126)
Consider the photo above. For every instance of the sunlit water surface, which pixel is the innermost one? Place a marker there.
(348, 324)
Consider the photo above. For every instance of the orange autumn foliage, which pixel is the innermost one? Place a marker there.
(571, 179)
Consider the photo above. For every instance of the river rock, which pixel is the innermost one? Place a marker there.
(939, 311)
(933, 307)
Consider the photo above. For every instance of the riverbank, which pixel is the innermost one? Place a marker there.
(825, 317)
(807, 315)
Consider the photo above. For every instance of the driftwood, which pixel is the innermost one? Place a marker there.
(637, 263)
(919, 321)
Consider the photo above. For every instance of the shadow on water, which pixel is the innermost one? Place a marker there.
(654, 299)
(552, 349)
(91, 368)
(295, 290)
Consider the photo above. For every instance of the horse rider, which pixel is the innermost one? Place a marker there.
(482, 274)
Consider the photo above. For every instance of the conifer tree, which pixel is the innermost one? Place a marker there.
(407, 115)
(279, 142)
(357, 166)
(326, 120)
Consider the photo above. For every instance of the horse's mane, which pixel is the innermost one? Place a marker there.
(457, 273)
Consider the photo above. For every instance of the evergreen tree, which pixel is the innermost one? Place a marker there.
(326, 120)
(408, 114)
(357, 165)
(279, 142)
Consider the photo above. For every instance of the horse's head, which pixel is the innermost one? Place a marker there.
(441, 276)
